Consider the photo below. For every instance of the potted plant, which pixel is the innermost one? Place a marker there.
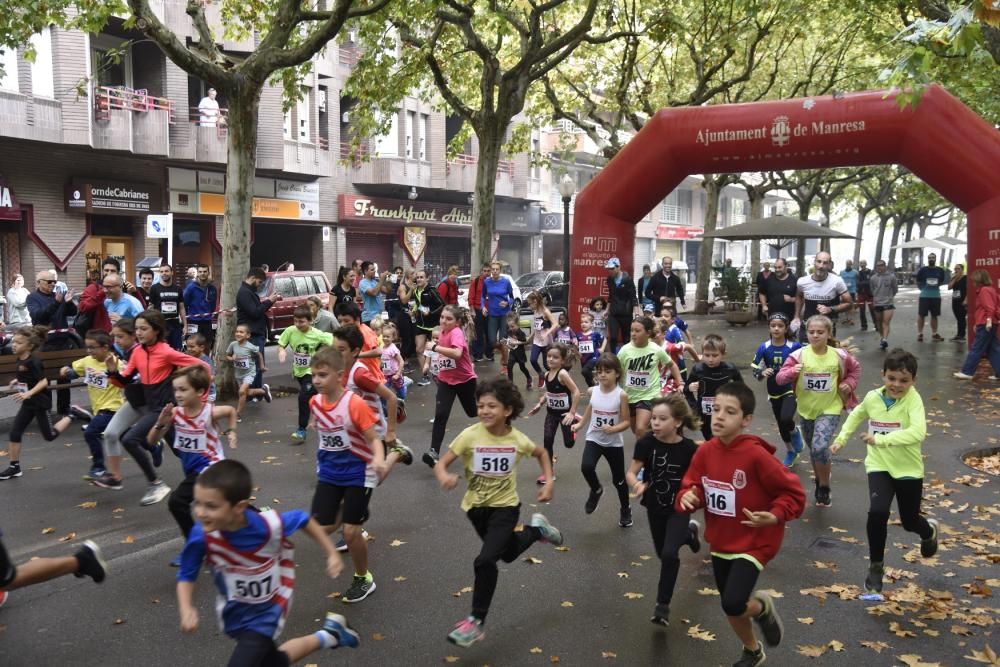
(736, 293)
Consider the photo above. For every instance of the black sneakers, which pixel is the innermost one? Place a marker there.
(694, 541)
(660, 615)
(929, 546)
(751, 658)
(430, 457)
(593, 499)
(91, 562)
(873, 582)
(625, 517)
(823, 496)
(768, 620)
(11, 472)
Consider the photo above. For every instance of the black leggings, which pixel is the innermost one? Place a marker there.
(881, 488)
(553, 423)
(306, 391)
(735, 579)
(784, 413)
(25, 414)
(179, 504)
(619, 326)
(255, 650)
(615, 456)
(134, 442)
(518, 360)
(495, 527)
(446, 393)
(588, 371)
(670, 533)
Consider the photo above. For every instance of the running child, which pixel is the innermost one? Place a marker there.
(246, 358)
(304, 340)
(349, 315)
(105, 398)
(391, 365)
(676, 353)
(591, 346)
(766, 363)
(897, 428)
(607, 417)
(564, 333)
(252, 563)
(707, 376)
(196, 345)
(350, 463)
(32, 395)
(543, 323)
(560, 400)
(198, 429)
(748, 497)
(434, 358)
(664, 454)
(825, 377)
(517, 341)
(490, 452)
(641, 360)
(598, 310)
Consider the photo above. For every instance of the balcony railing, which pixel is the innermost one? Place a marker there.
(121, 98)
(504, 167)
(209, 118)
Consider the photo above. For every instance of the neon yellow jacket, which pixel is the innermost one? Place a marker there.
(899, 432)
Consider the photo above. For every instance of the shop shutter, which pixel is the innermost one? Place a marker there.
(372, 248)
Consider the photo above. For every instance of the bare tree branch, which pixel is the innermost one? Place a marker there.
(176, 50)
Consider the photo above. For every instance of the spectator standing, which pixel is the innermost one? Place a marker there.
(929, 280)
(118, 304)
(496, 302)
(778, 291)
(166, 297)
(344, 291)
(758, 284)
(647, 276)
(251, 310)
(141, 291)
(17, 304)
(479, 320)
(208, 109)
(51, 308)
(865, 295)
(392, 304)
(623, 303)
(850, 278)
(665, 288)
(959, 292)
(372, 290)
(404, 321)
(448, 287)
(201, 299)
(93, 296)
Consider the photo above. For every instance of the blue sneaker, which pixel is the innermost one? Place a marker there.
(157, 453)
(790, 458)
(337, 626)
(797, 443)
(176, 562)
(299, 436)
(341, 545)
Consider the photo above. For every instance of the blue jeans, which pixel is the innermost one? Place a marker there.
(92, 435)
(985, 344)
(494, 325)
(175, 334)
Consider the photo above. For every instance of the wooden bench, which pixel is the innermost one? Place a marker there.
(51, 362)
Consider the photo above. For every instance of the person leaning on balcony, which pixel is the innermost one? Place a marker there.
(208, 109)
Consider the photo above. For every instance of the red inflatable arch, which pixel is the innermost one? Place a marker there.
(941, 141)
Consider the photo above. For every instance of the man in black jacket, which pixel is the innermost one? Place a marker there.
(623, 303)
(251, 311)
(51, 307)
(665, 288)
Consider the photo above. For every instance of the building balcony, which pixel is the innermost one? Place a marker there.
(460, 175)
(126, 119)
(386, 170)
(307, 158)
(33, 118)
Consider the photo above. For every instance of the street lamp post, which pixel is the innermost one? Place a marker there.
(567, 188)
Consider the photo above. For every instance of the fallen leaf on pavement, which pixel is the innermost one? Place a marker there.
(911, 660)
(773, 593)
(878, 647)
(961, 631)
(396, 543)
(811, 650)
(897, 630)
(645, 557)
(48, 531)
(90, 504)
(535, 650)
(553, 659)
(467, 589)
(377, 636)
(68, 537)
(119, 621)
(399, 579)
(562, 549)
(128, 539)
(696, 632)
(566, 603)
(608, 655)
(451, 658)
(806, 621)
(987, 656)
(707, 591)
(533, 560)
(634, 596)
(825, 565)
(834, 529)
(836, 645)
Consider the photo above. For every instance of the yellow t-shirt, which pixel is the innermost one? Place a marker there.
(491, 465)
(103, 395)
(816, 390)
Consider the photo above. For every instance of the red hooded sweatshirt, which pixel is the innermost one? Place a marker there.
(743, 474)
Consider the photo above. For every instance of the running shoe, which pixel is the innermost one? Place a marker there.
(361, 587)
(79, 412)
(529, 386)
(625, 517)
(341, 545)
(424, 381)
(937, 338)
(299, 436)
(541, 381)
(751, 658)
(405, 453)
(175, 561)
(467, 632)
(108, 482)
(797, 442)
(267, 392)
(884, 344)
(791, 456)
(95, 473)
(929, 546)
(873, 582)
(477, 359)
(660, 615)
(920, 338)
(961, 376)
(549, 533)
(768, 620)
(540, 480)
(336, 625)
(156, 452)
(90, 562)
(823, 496)
(957, 338)
(694, 541)
(593, 499)
(430, 457)
(10, 472)
(156, 492)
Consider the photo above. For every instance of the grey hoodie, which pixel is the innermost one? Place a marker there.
(884, 288)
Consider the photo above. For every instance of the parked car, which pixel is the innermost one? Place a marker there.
(549, 284)
(463, 290)
(295, 287)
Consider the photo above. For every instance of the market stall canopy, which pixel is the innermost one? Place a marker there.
(922, 244)
(951, 240)
(782, 229)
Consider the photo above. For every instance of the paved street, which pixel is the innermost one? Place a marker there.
(575, 607)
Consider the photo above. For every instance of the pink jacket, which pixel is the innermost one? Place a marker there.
(850, 372)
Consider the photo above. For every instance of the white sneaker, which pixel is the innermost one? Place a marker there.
(962, 376)
(156, 492)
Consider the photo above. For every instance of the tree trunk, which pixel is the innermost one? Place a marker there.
(490, 142)
(825, 205)
(712, 192)
(858, 232)
(240, 169)
(756, 213)
(896, 228)
(805, 205)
